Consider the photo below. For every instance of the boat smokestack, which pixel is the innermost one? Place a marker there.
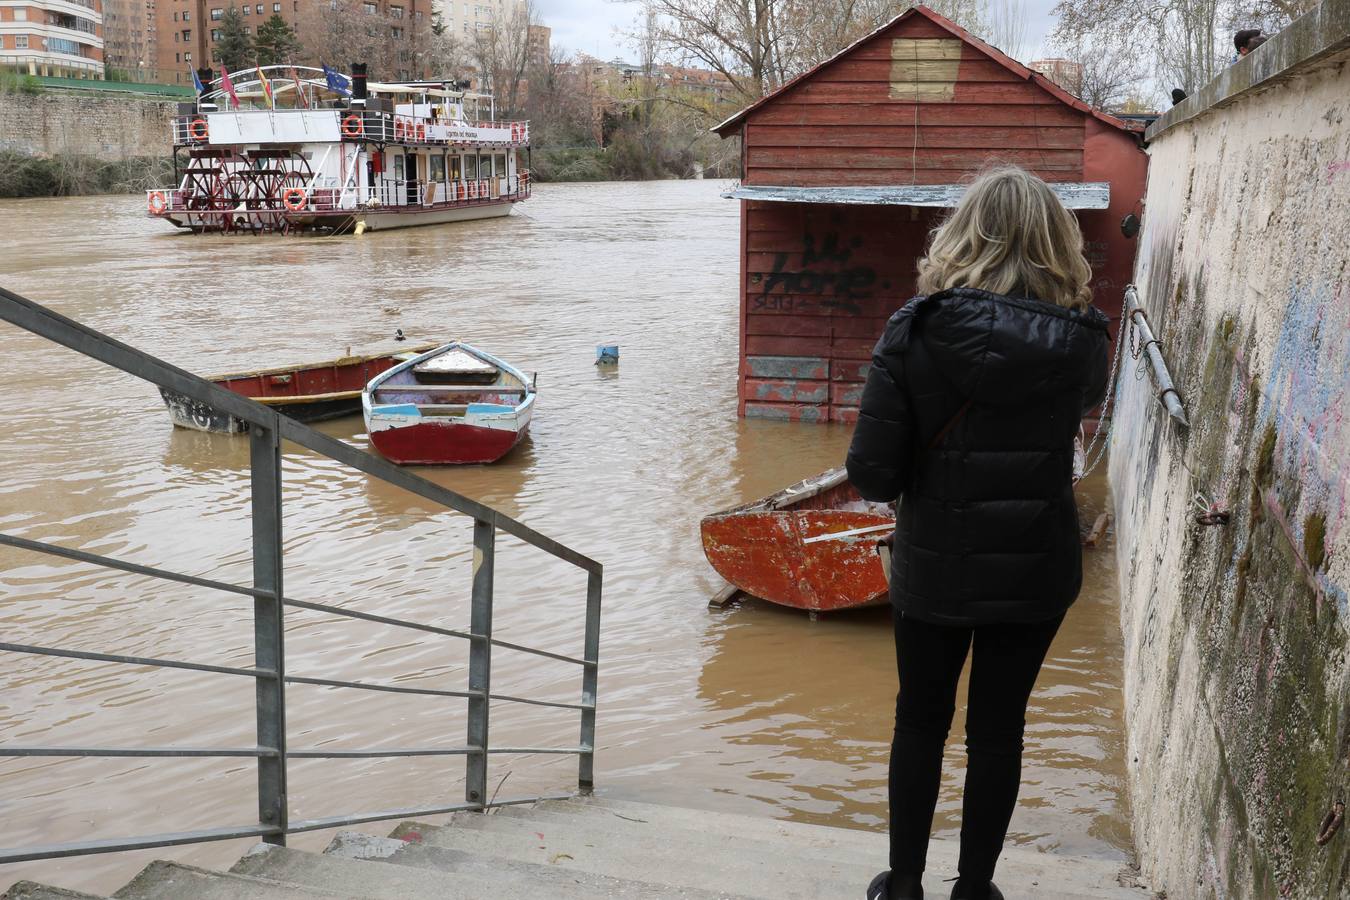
(206, 75)
(359, 90)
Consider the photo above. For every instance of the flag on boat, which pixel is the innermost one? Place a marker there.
(299, 90)
(197, 81)
(267, 89)
(227, 86)
(337, 82)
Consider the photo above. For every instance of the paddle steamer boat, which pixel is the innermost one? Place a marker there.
(287, 148)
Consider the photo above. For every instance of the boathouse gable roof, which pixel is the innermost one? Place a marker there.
(1021, 72)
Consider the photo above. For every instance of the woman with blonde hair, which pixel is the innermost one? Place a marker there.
(972, 403)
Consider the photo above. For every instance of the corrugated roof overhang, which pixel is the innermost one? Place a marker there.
(1074, 195)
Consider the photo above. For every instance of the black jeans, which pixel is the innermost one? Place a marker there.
(1004, 665)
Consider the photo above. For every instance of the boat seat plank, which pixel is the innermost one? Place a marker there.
(448, 389)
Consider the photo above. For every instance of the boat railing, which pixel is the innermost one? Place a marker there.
(270, 670)
(333, 199)
(194, 130)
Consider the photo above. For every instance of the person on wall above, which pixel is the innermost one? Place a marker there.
(968, 418)
(1247, 40)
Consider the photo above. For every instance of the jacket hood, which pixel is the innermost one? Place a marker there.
(999, 349)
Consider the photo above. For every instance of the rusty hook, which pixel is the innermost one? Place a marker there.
(1331, 823)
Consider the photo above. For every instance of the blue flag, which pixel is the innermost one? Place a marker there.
(197, 82)
(337, 82)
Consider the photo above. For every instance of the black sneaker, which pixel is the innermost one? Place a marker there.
(969, 892)
(880, 888)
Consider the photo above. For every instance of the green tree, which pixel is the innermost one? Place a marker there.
(276, 42)
(235, 47)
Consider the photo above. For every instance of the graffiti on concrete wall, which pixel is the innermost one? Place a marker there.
(1304, 396)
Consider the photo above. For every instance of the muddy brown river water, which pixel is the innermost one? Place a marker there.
(752, 709)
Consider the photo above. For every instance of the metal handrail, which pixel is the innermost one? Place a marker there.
(267, 429)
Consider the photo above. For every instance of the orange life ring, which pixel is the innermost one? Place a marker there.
(198, 130)
(351, 126)
(157, 203)
(293, 199)
(421, 131)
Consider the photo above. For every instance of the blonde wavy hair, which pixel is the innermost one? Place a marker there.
(1009, 234)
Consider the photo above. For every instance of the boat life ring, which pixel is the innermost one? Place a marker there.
(351, 126)
(157, 203)
(421, 131)
(293, 199)
(197, 129)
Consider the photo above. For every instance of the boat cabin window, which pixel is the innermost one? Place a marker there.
(471, 165)
(437, 172)
(456, 170)
(500, 162)
(485, 166)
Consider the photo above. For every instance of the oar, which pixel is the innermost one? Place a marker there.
(834, 536)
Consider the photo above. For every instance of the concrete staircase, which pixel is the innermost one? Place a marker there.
(585, 849)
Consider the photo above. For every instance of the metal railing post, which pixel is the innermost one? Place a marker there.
(590, 679)
(480, 661)
(268, 636)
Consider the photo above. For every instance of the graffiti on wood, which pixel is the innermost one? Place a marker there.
(825, 271)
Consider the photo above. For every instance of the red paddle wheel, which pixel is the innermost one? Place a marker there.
(235, 191)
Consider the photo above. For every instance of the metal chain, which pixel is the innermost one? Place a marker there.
(1100, 441)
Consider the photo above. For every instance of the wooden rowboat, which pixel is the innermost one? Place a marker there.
(306, 392)
(809, 546)
(454, 404)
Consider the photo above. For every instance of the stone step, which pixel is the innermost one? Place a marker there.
(837, 843)
(374, 878)
(1096, 877)
(647, 857)
(717, 863)
(163, 880)
(31, 890)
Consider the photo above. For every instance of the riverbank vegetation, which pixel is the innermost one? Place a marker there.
(66, 175)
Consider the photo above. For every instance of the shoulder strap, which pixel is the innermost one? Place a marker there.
(951, 423)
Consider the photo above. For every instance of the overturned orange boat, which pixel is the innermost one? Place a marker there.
(809, 546)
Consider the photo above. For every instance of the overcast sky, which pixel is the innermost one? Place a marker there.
(596, 26)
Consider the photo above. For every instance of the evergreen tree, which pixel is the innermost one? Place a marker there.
(276, 42)
(235, 47)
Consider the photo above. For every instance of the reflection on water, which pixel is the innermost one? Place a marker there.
(750, 709)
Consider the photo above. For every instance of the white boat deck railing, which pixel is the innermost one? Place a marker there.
(329, 199)
(262, 126)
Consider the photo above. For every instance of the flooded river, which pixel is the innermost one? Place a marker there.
(751, 709)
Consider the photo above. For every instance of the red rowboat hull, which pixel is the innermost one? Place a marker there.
(444, 443)
(761, 548)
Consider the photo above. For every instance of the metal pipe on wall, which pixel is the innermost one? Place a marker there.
(1167, 391)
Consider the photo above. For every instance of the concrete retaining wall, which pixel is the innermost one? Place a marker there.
(110, 128)
(1237, 681)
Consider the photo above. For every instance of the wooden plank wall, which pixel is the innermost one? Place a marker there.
(891, 113)
(912, 105)
(820, 283)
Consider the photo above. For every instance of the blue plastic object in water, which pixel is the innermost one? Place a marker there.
(607, 355)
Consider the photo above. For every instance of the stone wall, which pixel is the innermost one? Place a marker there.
(1237, 681)
(108, 127)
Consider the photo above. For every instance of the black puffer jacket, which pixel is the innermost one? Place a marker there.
(969, 415)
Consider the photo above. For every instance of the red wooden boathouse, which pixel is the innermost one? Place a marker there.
(847, 168)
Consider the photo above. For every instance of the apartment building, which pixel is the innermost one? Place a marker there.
(329, 31)
(1064, 72)
(56, 38)
(129, 50)
(463, 18)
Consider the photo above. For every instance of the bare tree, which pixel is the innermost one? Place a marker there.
(1113, 70)
(1183, 43)
(1006, 27)
(393, 43)
(502, 53)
